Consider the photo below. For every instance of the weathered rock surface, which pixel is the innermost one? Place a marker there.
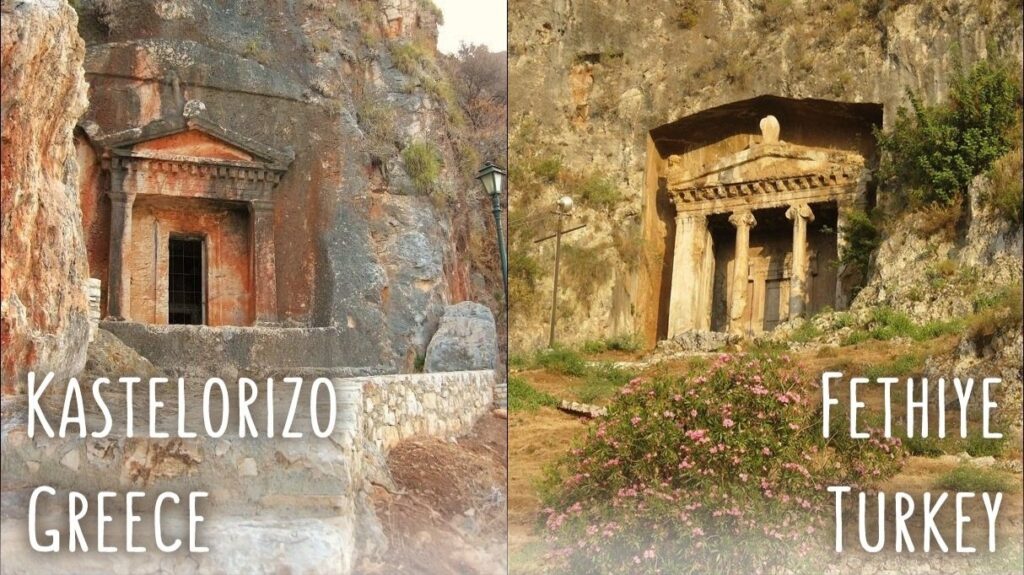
(43, 307)
(465, 340)
(356, 248)
(938, 276)
(590, 80)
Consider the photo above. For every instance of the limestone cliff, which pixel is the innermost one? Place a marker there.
(352, 90)
(43, 309)
(591, 79)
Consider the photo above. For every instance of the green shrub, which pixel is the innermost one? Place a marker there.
(995, 311)
(622, 342)
(1006, 195)
(409, 57)
(970, 478)
(547, 169)
(561, 360)
(977, 445)
(377, 120)
(524, 397)
(524, 274)
(597, 191)
(423, 164)
(924, 446)
(719, 471)
(584, 270)
(862, 239)
(933, 152)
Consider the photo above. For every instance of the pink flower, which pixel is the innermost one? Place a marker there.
(728, 422)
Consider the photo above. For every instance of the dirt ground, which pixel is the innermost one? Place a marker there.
(449, 514)
(538, 438)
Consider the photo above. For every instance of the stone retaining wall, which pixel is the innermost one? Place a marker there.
(273, 502)
(446, 404)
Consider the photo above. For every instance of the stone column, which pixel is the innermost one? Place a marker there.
(264, 268)
(119, 277)
(800, 214)
(743, 220)
(687, 264)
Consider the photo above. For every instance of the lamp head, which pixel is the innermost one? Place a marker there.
(492, 177)
(565, 204)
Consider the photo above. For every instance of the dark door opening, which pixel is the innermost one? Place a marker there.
(186, 302)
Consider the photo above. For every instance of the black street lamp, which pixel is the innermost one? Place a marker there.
(493, 178)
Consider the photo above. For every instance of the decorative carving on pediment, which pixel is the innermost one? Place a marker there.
(769, 130)
(763, 187)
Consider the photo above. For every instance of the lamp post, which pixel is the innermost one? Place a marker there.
(493, 179)
(562, 209)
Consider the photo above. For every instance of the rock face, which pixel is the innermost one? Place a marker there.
(465, 340)
(944, 276)
(591, 80)
(44, 312)
(341, 86)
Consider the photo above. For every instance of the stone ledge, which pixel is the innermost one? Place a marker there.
(246, 348)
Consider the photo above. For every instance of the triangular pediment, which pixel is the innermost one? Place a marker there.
(194, 139)
(764, 162)
(191, 144)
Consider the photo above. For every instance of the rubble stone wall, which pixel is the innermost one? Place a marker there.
(398, 407)
(272, 502)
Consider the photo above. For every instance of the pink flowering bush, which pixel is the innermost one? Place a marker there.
(721, 471)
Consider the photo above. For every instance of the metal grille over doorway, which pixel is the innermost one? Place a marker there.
(186, 289)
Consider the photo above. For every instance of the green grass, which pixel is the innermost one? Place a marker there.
(763, 346)
(423, 164)
(886, 324)
(926, 446)
(624, 342)
(902, 366)
(602, 382)
(976, 480)
(562, 361)
(806, 332)
(524, 397)
(978, 446)
(408, 57)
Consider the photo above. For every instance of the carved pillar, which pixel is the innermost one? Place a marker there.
(264, 272)
(119, 277)
(687, 278)
(800, 214)
(743, 220)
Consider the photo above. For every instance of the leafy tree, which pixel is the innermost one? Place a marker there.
(933, 152)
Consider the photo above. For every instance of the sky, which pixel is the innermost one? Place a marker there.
(473, 22)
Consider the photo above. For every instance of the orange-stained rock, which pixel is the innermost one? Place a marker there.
(43, 306)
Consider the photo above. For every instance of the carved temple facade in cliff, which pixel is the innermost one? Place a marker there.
(751, 222)
(191, 223)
